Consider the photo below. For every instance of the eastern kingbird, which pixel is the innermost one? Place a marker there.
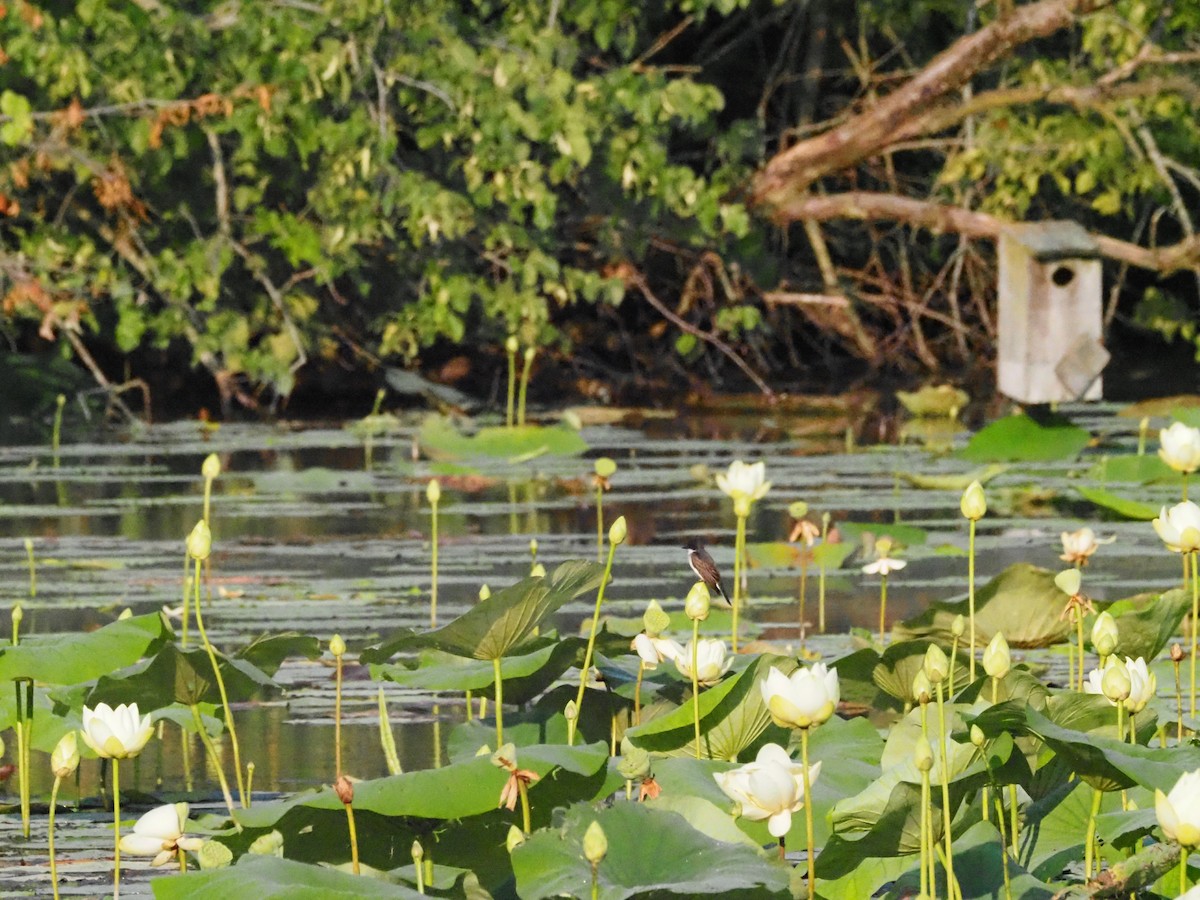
(704, 567)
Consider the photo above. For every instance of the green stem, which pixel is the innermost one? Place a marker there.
(182, 861)
(212, 658)
(808, 815)
(821, 599)
(433, 589)
(591, 645)
(971, 598)
(696, 681)
(509, 418)
(1178, 705)
(50, 827)
(56, 431)
(187, 602)
(738, 548)
(1089, 847)
(354, 866)
(32, 577)
(953, 660)
(1195, 627)
(1079, 638)
(207, 501)
(526, 817)
(637, 693)
(1014, 823)
(337, 721)
(211, 750)
(1003, 846)
(22, 772)
(925, 803)
(116, 770)
(599, 523)
(525, 372)
(882, 607)
(945, 788)
(803, 597)
(26, 758)
(1183, 857)
(499, 679)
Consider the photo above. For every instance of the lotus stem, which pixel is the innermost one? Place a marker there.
(925, 825)
(970, 599)
(50, 836)
(26, 760)
(526, 818)
(433, 541)
(32, 574)
(499, 702)
(1195, 627)
(1089, 847)
(883, 612)
(337, 718)
(211, 750)
(1003, 846)
(116, 770)
(1183, 857)
(949, 861)
(511, 350)
(56, 431)
(739, 546)
(637, 692)
(591, 645)
(530, 353)
(187, 601)
(1079, 637)
(1014, 825)
(599, 522)
(803, 598)
(821, 575)
(950, 675)
(22, 772)
(470, 703)
(927, 794)
(387, 740)
(249, 783)
(354, 865)
(808, 815)
(696, 681)
(212, 658)
(1178, 703)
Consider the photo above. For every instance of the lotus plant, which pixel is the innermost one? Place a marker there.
(116, 734)
(433, 493)
(1105, 636)
(973, 506)
(63, 763)
(937, 669)
(617, 532)
(1179, 817)
(511, 345)
(604, 468)
(1180, 449)
(745, 484)
(883, 566)
(1179, 528)
(805, 699)
(652, 649)
(772, 788)
(1070, 582)
(1078, 546)
(160, 833)
(517, 786)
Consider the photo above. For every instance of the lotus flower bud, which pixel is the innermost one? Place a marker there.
(654, 620)
(1176, 653)
(537, 571)
(269, 844)
(533, 546)
(618, 531)
(923, 754)
(214, 855)
(65, 758)
(973, 503)
(211, 467)
(921, 688)
(484, 592)
(1115, 683)
(605, 467)
(1069, 581)
(958, 626)
(17, 615)
(337, 646)
(571, 711)
(937, 666)
(199, 542)
(344, 789)
(1105, 634)
(530, 353)
(510, 344)
(595, 844)
(634, 762)
(977, 736)
(417, 851)
(997, 660)
(698, 601)
(433, 491)
(516, 837)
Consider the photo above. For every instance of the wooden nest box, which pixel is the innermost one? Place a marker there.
(1049, 313)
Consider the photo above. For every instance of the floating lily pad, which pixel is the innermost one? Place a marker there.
(1126, 507)
(441, 441)
(958, 482)
(1021, 439)
(270, 878)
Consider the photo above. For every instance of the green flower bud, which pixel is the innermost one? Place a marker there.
(605, 467)
(977, 736)
(533, 546)
(530, 353)
(973, 503)
(199, 542)
(571, 711)
(269, 844)
(618, 531)
(921, 688)
(537, 570)
(214, 855)
(1069, 581)
(923, 754)
(698, 601)
(958, 626)
(655, 620)
(211, 467)
(65, 758)
(595, 844)
(937, 666)
(510, 344)
(418, 852)
(633, 763)
(337, 646)
(516, 837)
(433, 491)
(17, 615)
(484, 592)
(997, 660)
(1105, 634)
(1115, 683)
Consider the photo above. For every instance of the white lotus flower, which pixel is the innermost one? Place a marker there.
(711, 661)
(1180, 447)
(1179, 811)
(745, 481)
(654, 650)
(116, 733)
(159, 833)
(1078, 546)
(1143, 684)
(1179, 527)
(771, 788)
(805, 699)
(885, 565)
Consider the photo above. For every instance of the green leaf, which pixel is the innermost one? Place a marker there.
(73, 658)
(1146, 622)
(257, 877)
(1020, 439)
(1125, 507)
(441, 441)
(679, 861)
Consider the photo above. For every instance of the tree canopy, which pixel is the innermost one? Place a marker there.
(264, 189)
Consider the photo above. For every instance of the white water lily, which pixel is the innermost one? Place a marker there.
(654, 650)
(712, 661)
(771, 787)
(745, 481)
(885, 565)
(1179, 527)
(1078, 546)
(160, 833)
(1143, 684)
(116, 733)
(1180, 447)
(805, 699)
(1179, 811)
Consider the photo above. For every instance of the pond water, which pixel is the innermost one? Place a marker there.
(317, 532)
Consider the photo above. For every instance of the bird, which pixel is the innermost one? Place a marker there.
(704, 567)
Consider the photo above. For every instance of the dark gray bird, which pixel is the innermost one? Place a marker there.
(704, 567)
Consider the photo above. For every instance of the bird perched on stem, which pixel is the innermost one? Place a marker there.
(704, 567)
